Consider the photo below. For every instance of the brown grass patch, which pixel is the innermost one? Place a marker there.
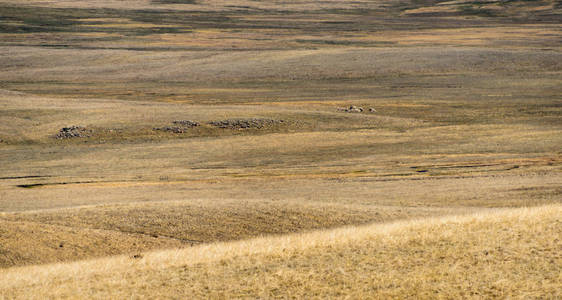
(29, 242)
(105, 230)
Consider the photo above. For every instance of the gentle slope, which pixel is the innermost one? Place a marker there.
(506, 252)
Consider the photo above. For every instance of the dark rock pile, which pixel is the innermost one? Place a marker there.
(245, 123)
(181, 126)
(186, 123)
(352, 109)
(73, 132)
(356, 109)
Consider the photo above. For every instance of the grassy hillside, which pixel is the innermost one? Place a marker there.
(492, 254)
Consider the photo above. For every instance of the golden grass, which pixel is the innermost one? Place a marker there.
(491, 254)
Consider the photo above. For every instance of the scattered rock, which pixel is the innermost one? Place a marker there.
(73, 132)
(245, 123)
(186, 123)
(352, 109)
(137, 256)
(356, 109)
(181, 126)
(174, 129)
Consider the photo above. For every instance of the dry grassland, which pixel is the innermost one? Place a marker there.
(57, 234)
(447, 185)
(492, 254)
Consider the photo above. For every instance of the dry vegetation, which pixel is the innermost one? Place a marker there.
(449, 187)
(492, 254)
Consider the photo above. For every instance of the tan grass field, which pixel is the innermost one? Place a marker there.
(447, 185)
(491, 254)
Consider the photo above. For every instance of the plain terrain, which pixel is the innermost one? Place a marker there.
(450, 187)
